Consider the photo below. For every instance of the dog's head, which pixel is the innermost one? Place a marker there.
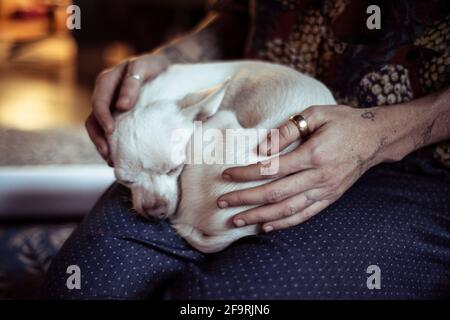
(149, 153)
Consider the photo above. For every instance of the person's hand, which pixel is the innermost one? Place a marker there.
(344, 143)
(115, 88)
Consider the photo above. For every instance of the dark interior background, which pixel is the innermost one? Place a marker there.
(141, 24)
(47, 73)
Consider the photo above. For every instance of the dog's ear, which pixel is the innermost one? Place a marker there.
(204, 104)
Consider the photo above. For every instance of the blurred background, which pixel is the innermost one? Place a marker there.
(50, 173)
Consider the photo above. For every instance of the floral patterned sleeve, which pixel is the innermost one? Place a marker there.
(408, 58)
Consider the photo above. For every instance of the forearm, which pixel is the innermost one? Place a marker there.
(210, 40)
(407, 127)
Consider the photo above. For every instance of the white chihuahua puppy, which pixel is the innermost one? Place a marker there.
(149, 153)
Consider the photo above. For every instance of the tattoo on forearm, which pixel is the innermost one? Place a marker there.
(209, 46)
(203, 47)
(368, 115)
(176, 55)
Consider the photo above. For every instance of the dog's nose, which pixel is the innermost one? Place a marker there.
(157, 209)
(156, 205)
(162, 215)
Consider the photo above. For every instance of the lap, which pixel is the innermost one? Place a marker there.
(395, 220)
(120, 255)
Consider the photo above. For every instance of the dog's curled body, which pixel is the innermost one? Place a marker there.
(230, 95)
(257, 96)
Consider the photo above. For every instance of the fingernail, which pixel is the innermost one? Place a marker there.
(265, 162)
(222, 204)
(226, 177)
(123, 102)
(239, 223)
(268, 228)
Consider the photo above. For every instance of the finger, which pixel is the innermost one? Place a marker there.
(275, 167)
(129, 90)
(297, 218)
(288, 132)
(97, 135)
(272, 192)
(273, 212)
(105, 89)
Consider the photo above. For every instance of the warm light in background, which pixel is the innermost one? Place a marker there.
(37, 91)
(38, 106)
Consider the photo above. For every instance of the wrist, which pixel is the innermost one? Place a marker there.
(400, 130)
(163, 59)
(380, 140)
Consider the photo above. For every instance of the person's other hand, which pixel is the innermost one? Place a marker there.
(116, 89)
(344, 142)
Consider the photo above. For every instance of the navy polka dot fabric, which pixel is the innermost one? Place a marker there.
(396, 217)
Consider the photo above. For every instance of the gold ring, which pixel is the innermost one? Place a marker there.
(301, 124)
